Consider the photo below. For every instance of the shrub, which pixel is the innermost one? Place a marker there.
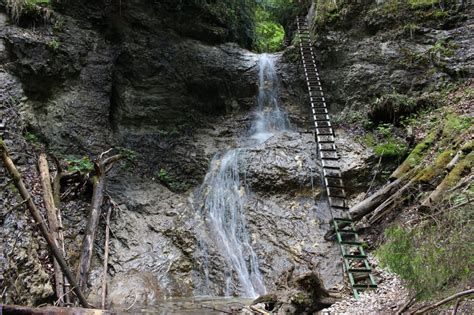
(390, 108)
(76, 164)
(432, 257)
(18, 8)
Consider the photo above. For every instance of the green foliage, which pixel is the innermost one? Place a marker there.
(18, 8)
(411, 28)
(53, 44)
(422, 4)
(31, 138)
(76, 164)
(238, 16)
(129, 156)
(269, 36)
(170, 181)
(385, 143)
(433, 257)
(164, 176)
(58, 25)
(328, 12)
(269, 33)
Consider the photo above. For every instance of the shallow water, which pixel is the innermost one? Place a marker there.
(195, 305)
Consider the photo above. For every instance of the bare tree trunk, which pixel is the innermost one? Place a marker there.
(383, 208)
(53, 222)
(369, 204)
(10, 166)
(106, 258)
(98, 182)
(92, 224)
(448, 181)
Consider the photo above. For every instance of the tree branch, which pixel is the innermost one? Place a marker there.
(10, 166)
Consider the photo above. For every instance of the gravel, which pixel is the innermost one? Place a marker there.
(389, 296)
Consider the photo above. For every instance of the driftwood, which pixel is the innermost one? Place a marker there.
(10, 166)
(98, 182)
(444, 301)
(53, 222)
(106, 258)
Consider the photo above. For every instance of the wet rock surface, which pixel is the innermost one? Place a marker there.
(285, 162)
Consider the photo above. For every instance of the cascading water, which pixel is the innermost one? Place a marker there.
(223, 194)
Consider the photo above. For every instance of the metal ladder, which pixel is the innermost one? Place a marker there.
(355, 262)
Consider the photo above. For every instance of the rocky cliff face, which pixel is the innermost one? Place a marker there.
(161, 80)
(369, 51)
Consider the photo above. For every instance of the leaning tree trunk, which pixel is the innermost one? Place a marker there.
(10, 166)
(53, 222)
(88, 244)
(98, 181)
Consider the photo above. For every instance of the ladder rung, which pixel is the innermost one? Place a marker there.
(338, 202)
(320, 117)
(334, 182)
(336, 192)
(325, 139)
(354, 256)
(329, 155)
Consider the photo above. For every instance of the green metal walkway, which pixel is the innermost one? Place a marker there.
(355, 262)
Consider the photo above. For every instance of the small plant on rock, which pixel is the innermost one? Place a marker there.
(82, 165)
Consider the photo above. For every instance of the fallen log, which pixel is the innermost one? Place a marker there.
(50, 310)
(52, 221)
(385, 206)
(98, 182)
(10, 166)
(449, 181)
(369, 204)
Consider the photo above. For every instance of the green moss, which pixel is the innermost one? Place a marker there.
(53, 44)
(391, 149)
(416, 155)
(454, 123)
(419, 151)
(467, 147)
(463, 166)
(299, 298)
(422, 4)
(444, 158)
(427, 174)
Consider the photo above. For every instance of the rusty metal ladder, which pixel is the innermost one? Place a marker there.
(355, 262)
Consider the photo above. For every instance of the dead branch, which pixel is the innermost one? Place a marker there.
(53, 222)
(106, 257)
(454, 160)
(10, 166)
(98, 183)
(456, 306)
(407, 304)
(446, 300)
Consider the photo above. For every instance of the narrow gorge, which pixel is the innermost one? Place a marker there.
(185, 170)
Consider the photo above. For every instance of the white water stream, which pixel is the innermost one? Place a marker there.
(224, 192)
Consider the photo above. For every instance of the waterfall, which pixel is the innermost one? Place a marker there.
(224, 192)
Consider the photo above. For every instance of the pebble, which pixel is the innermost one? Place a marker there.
(389, 296)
